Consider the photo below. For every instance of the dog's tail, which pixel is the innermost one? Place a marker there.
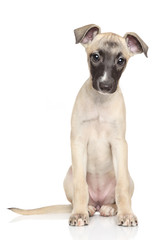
(44, 210)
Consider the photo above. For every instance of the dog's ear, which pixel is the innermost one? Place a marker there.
(86, 34)
(135, 44)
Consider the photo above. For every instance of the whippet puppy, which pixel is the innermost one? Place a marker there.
(98, 179)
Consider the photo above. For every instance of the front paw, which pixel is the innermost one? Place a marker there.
(127, 220)
(79, 219)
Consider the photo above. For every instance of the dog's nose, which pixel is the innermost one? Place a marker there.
(104, 86)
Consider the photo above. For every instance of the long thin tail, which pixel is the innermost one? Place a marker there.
(44, 210)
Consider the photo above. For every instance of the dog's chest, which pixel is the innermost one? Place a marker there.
(100, 121)
(99, 150)
(104, 120)
(99, 163)
(96, 111)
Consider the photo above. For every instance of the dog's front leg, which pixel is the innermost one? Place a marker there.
(79, 215)
(124, 184)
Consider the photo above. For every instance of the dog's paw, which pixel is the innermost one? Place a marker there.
(79, 220)
(91, 210)
(108, 210)
(127, 220)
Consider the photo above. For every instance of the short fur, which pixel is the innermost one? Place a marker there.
(98, 179)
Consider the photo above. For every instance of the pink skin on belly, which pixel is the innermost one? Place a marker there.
(101, 189)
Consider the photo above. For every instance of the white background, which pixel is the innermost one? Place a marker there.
(41, 71)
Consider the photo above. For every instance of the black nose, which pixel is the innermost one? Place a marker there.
(104, 86)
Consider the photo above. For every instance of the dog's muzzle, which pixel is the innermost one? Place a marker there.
(105, 87)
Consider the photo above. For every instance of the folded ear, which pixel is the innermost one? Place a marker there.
(86, 34)
(135, 44)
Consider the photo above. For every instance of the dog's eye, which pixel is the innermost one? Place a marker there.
(121, 61)
(95, 57)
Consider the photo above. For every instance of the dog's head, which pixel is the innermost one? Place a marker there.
(108, 54)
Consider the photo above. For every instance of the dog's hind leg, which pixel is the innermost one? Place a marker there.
(68, 187)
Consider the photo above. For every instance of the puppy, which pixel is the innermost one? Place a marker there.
(98, 179)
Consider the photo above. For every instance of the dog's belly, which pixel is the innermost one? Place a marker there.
(101, 189)
(100, 172)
